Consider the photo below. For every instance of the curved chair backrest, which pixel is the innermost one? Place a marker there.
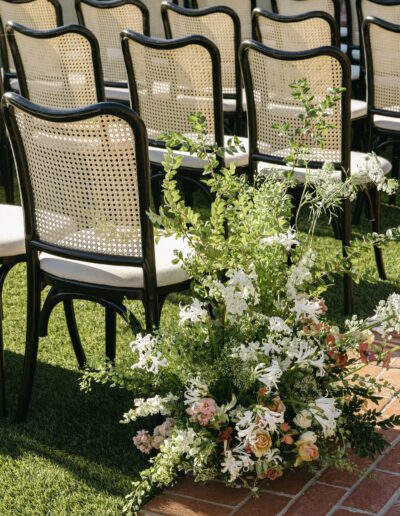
(35, 14)
(269, 100)
(295, 7)
(243, 8)
(84, 177)
(156, 22)
(221, 25)
(58, 68)
(172, 79)
(382, 49)
(295, 33)
(352, 23)
(383, 9)
(107, 19)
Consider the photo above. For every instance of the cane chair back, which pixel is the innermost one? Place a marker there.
(172, 79)
(243, 8)
(107, 19)
(221, 25)
(35, 14)
(382, 47)
(59, 68)
(295, 33)
(384, 10)
(296, 7)
(270, 101)
(84, 179)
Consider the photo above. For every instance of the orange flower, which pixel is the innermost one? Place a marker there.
(262, 443)
(307, 450)
(276, 405)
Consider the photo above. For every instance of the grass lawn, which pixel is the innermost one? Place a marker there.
(72, 457)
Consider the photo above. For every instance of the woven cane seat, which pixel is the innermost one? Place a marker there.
(356, 164)
(12, 234)
(121, 276)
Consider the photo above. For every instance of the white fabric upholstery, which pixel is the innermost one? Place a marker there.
(343, 32)
(343, 48)
(357, 160)
(229, 105)
(387, 122)
(117, 275)
(355, 54)
(355, 72)
(358, 109)
(12, 234)
(118, 94)
(14, 85)
(240, 159)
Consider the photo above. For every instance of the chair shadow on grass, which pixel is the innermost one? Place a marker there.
(78, 431)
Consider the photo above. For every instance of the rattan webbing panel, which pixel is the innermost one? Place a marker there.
(172, 84)
(84, 181)
(295, 36)
(59, 70)
(390, 13)
(156, 23)
(37, 14)
(275, 105)
(219, 28)
(293, 7)
(385, 49)
(107, 25)
(241, 7)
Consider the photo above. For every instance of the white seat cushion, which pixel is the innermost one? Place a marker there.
(12, 233)
(343, 32)
(358, 109)
(387, 122)
(229, 105)
(117, 275)
(14, 85)
(357, 160)
(240, 159)
(355, 54)
(355, 72)
(118, 94)
(343, 48)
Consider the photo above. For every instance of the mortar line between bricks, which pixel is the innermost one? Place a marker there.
(279, 493)
(364, 475)
(353, 510)
(173, 493)
(311, 482)
(329, 484)
(241, 504)
(390, 503)
(387, 471)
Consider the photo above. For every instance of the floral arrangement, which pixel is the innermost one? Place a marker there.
(251, 380)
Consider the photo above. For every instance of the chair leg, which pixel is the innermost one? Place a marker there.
(3, 272)
(111, 333)
(375, 197)
(6, 166)
(358, 208)
(32, 338)
(73, 332)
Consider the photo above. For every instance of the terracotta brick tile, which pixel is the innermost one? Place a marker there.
(391, 461)
(391, 434)
(394, 510)
(340, 478)
(395, 362)
(266, 504)
(371, 370)
(318, 500)
(392, 376)
(290, 483)
(211, 491)
(392, 408)
(361, 462)
(169, 505)
(373, 493)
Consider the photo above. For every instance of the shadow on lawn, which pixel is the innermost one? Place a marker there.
(78, 431)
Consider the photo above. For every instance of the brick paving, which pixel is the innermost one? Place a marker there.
(373, 490)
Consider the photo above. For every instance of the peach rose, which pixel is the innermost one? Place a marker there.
(274, 473)
(262, 443)
(276, 405)
(307, 450)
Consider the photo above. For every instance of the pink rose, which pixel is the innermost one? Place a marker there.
(207, 407)
(142, 441)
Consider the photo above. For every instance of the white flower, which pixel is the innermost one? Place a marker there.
(247, 352)
(194, 313)
(269, 376)
(305, 354)
(231, 465)
(305, 308)
(325, 412)
(195, 390)
(183, 440)
(278, 325)
(238, 292)
(268, 419)
(303, 419)
(286, 240)
(300, 273)
(149, 359)
(308, 437)
(371, 171)
(149, 407)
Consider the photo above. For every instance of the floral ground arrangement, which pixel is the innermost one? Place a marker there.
(253, 381)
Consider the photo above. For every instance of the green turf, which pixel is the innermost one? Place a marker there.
(72, 457)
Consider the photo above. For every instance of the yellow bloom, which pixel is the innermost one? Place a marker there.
(262, 443)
